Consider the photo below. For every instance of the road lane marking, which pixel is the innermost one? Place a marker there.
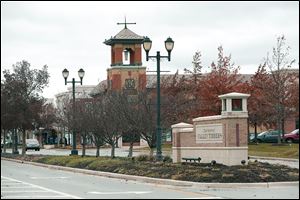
(202, 198)
(32, 191)
(61, 194)
(20, 187)
(31, 197)
(11, 183)
(3, 180)
(49, 177)
(128, 192)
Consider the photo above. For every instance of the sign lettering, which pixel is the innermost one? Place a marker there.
(209, 133)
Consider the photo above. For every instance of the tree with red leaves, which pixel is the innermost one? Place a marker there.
(223, 78)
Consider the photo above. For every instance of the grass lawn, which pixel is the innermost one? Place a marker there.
(273, 150)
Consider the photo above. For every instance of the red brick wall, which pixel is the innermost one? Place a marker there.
(138, 55)
(188, 139)
(118, 55)
(116, 82)
(132, 55)
(112, 55)
(142, 81)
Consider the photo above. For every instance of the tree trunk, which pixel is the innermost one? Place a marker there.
(4, 141)
(151, 151)
(15, 142)
(112, 150)
(83, 145)
(23, 142)
(130, 150)
(255, 132)
(83, 150)
(282, 127)
(98, 151)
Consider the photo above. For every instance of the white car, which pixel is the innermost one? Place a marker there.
(32, 144)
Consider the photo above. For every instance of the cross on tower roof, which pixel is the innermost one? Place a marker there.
(125, 23)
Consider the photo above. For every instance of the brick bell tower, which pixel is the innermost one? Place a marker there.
(126, 72)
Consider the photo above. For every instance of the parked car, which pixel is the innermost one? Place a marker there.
(267, 136)
(8, 143)
(292, 136)
(32, 144)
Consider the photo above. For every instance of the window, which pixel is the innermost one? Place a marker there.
(237, 105)
(224, 105)
(129, 84)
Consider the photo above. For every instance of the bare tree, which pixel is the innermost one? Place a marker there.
(279, 65)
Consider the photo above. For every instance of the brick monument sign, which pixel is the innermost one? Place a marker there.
(223, 138)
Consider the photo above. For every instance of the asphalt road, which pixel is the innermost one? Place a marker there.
(20, 181)
(27, 181)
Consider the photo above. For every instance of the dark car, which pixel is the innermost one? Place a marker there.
(32, 144)
(8, 143)
(292, 136)
(267, 136)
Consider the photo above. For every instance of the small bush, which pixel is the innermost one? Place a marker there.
(80, 162)
(142, 158)
(167, 159)
(56, 160)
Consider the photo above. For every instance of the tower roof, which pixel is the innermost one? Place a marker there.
(125, 36)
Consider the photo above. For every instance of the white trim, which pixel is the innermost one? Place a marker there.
(214, 117)
(234, 95)
(184, 130)
(182, 125)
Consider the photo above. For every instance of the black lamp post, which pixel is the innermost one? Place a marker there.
(65, 74)
(169, 44)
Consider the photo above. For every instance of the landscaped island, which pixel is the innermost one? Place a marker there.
(198, 172)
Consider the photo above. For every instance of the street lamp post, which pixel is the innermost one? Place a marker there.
(65, 74)
(169, 44)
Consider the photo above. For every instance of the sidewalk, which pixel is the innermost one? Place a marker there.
(293, 163)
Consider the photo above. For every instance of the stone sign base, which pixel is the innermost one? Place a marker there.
(221, 138)
(225, 155)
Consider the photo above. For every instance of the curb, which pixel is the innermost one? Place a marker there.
(274, 158)
(160, 181)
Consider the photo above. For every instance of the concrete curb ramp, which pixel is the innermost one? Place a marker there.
(161, 181)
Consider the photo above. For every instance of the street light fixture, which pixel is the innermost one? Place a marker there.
(65, 74)
(169, 45)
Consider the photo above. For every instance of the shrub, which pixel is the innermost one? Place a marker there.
(80, 162)
(56, 160)
(167, 159)
(145, 158)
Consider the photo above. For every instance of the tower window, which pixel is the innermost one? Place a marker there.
(237, 105)
(126, 57)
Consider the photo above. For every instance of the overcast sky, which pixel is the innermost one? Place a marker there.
(71, 34)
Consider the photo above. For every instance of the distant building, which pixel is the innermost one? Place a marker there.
(81, 92)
